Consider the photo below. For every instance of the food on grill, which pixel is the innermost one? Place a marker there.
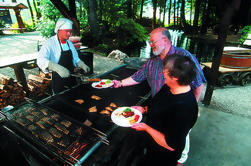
(79, 130)
(87, 122)
(34, 130)
(48, 120)
(95, 97)
(37, 114)
(66, 123)
(61, 128)
(47, 137)
(109, 109)
(22, 122)
(113, 105)
(105, 112)
(79, 101)
(55, 117)
(30, 110)
(93, 109)
(31, 118)
(55, 133)
(42, 124)
(44, 111)
(64, 142)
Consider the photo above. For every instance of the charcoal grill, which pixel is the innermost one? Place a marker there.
(69, 143)
(34, 122)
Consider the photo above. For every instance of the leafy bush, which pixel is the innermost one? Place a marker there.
(244, 33)
(29, 28)
(49, 14)
(1, 26)
(129, 33)
(2, 23)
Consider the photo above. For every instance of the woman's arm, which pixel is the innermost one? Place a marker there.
(158, 137)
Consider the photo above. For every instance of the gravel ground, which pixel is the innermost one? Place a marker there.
(232, 99)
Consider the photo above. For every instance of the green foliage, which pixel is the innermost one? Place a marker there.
(129, 32)
(49, 14)
(245, 31)
(2, 23)
(1, 26)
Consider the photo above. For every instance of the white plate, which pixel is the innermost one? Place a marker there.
(102, 86)
(121, 120)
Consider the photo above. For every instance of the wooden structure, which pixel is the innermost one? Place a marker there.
(16, 7)
(228, 76)
(235, 67)
(236, 58)
(18, 63)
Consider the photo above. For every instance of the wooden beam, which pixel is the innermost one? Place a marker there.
(19, 20)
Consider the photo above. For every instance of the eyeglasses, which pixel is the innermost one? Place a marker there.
(154, 42)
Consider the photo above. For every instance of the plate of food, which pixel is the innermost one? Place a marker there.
(126, 116)
(104, 83)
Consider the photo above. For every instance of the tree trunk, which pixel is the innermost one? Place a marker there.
(73, 13)
(182, 14)
(100, 9)
(169, 12)
(225, 21)
(205, 17)
(191, 11)
(68, 14)
(141, 9)
(92, 19)
(30, 8)
(164, 14)
(154, 13)
(38, 14)
(129, 9)
(174, 12)
(196, 14)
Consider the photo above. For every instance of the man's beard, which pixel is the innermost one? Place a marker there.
(159, 50)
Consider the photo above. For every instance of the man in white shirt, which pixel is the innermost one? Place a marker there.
(59, 56)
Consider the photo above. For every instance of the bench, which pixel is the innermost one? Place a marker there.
(12, 29)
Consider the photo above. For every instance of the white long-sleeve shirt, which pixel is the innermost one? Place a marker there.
(51, 51)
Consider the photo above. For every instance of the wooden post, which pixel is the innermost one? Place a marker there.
(219, 49)
(19, 20)
(20, 76)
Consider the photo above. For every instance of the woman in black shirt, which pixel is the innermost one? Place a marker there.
(172, 113)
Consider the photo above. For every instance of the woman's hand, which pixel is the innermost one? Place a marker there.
(140, 126)
(141, 109)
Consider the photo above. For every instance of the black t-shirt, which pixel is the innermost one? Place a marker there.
(174, 116)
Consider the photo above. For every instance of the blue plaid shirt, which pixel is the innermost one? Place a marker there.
(152, 71)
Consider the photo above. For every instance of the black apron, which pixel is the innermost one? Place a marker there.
(66, 60)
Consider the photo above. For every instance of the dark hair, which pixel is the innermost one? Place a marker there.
(166, 33)
(181, 67)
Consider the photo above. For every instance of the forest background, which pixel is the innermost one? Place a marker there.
(122, 24)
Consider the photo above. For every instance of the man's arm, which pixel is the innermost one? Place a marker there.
(197, 92)
(125, 82)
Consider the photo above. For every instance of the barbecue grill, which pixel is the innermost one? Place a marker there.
(55, 128)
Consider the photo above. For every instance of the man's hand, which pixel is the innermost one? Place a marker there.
(83, 66)
(116, 84)
(62, 71)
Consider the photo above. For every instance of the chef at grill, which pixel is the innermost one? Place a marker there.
(59, 56)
